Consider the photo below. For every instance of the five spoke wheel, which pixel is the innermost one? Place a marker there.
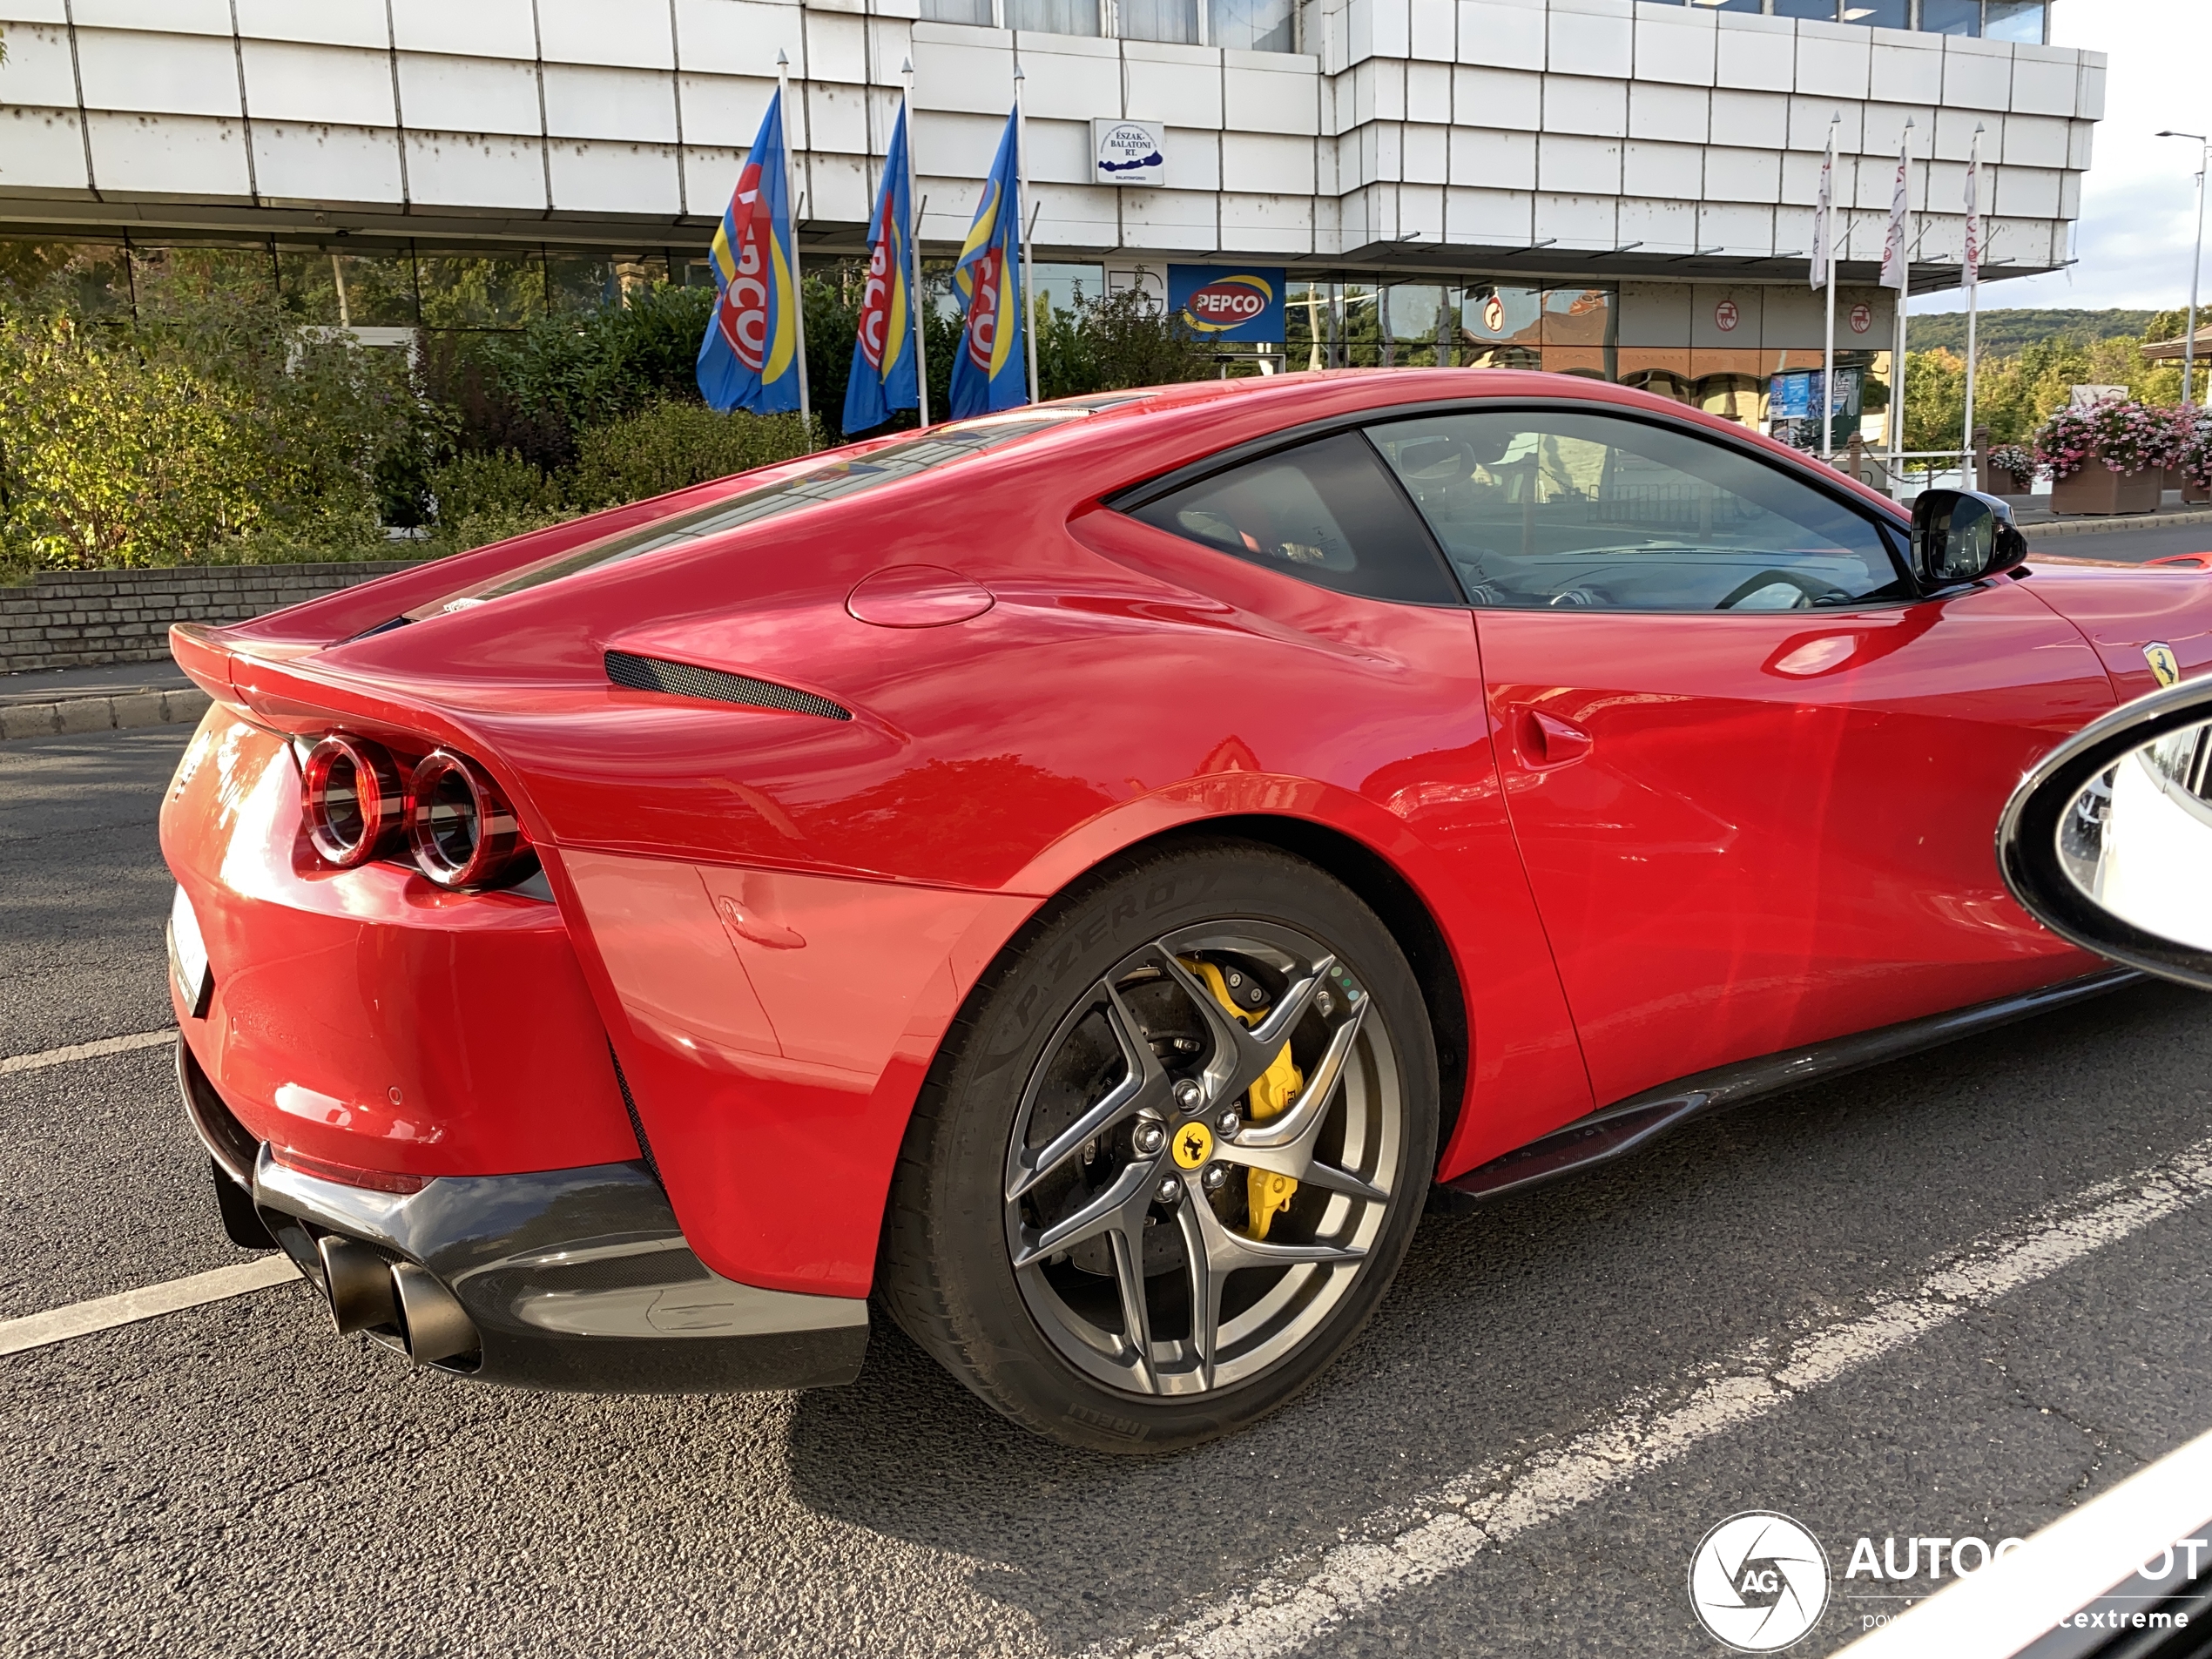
(1203, 1158)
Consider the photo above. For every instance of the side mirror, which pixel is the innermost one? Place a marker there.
(2109, 841)
(1962, 535)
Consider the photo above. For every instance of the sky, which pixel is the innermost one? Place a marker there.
(2138, 223)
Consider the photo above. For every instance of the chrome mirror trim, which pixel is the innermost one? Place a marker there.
(2027, 840)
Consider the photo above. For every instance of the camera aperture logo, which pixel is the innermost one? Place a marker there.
(1758, 1581)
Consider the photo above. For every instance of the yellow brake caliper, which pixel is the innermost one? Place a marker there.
(1266, 1193)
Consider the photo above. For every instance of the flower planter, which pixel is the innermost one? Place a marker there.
(2002, 483)
(2191, 491)
(2096, 489)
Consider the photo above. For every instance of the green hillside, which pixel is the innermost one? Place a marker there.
(2001, 333)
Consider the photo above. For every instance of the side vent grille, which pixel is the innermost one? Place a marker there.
(684, 679)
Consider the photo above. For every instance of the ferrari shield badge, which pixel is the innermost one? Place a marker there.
(2162, 662)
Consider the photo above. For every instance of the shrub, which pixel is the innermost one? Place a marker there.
(673, 445)
(537, 390)
(1133, 342)
(106, 458)
(469, 486)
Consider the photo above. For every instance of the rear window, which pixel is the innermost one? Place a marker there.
(1325, 512)
(832, 481)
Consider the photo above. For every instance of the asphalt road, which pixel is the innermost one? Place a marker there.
(235, 1479)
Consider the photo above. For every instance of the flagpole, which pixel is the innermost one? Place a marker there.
(914, 253)
(797, 274)
(1028, 248)
(1972, 274)
(1904, 295)
(1828, 349)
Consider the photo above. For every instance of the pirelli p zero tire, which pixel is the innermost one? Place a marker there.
(1172, 1155)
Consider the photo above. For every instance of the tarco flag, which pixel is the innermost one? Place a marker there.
(1897, 260)
(750, 357)
(883, 355)
(1823, 207)
(1970, 274)
(988, 372)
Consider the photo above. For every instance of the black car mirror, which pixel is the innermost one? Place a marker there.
(2109, 841)
(1962, 535)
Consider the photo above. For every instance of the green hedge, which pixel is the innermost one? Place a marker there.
(216, 426)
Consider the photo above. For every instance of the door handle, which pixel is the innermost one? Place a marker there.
(1547, 741)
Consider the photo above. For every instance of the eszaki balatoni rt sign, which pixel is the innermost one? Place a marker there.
(1227, 302)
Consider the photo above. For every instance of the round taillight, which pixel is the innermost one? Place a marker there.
(464, 832)
(354, 806)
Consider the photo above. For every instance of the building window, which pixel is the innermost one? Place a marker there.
(1173, 21)
(2027, 20)
(1246, 25)
(1951, 16)
(1067, 287)
(1253, 25)
(1054, 17)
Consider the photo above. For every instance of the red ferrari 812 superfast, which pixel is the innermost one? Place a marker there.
(1086, 879)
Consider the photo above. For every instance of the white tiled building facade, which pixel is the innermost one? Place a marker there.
(1666, 153)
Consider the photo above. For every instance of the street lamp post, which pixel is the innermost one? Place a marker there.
(2196, 261)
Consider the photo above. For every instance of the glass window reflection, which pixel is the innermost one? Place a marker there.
(1879, 14)
(1052, 17)
(1173, 21)
(1951, 16)
(2025, 21)
(1254, 25)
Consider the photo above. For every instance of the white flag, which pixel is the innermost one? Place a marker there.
(1897, 259)
(1822, 206)
(1970, 274)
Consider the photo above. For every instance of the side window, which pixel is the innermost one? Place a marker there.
(1325, 512)
(1562, 508)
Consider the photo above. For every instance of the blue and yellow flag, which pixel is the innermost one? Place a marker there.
(989, 372)
(749, 359)
(883, 354)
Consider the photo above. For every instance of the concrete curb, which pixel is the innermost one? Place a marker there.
(2119, 522)
(73, 715)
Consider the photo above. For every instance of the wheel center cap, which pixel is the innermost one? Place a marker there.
(1193, 1145)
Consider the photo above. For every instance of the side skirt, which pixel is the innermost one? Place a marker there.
(1619, 1130)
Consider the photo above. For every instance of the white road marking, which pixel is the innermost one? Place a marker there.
(87, 1050)
(149, 1302)
(1302, 1599)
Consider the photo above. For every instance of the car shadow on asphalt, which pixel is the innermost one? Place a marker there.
(1515, 1327)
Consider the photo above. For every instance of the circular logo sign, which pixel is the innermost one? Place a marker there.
(1758, 1581)
(1193, 1145)
(1725, 316)
(1494, 315)
(1862, 319)
(1228, 302)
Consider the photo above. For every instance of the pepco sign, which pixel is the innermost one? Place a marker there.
(1220, 302)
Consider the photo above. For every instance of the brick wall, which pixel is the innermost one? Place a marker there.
(66, 619)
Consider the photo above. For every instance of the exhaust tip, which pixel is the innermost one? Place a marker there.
(360, 1283)
(432, 1322)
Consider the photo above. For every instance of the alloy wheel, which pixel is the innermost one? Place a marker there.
(1203, 1158)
